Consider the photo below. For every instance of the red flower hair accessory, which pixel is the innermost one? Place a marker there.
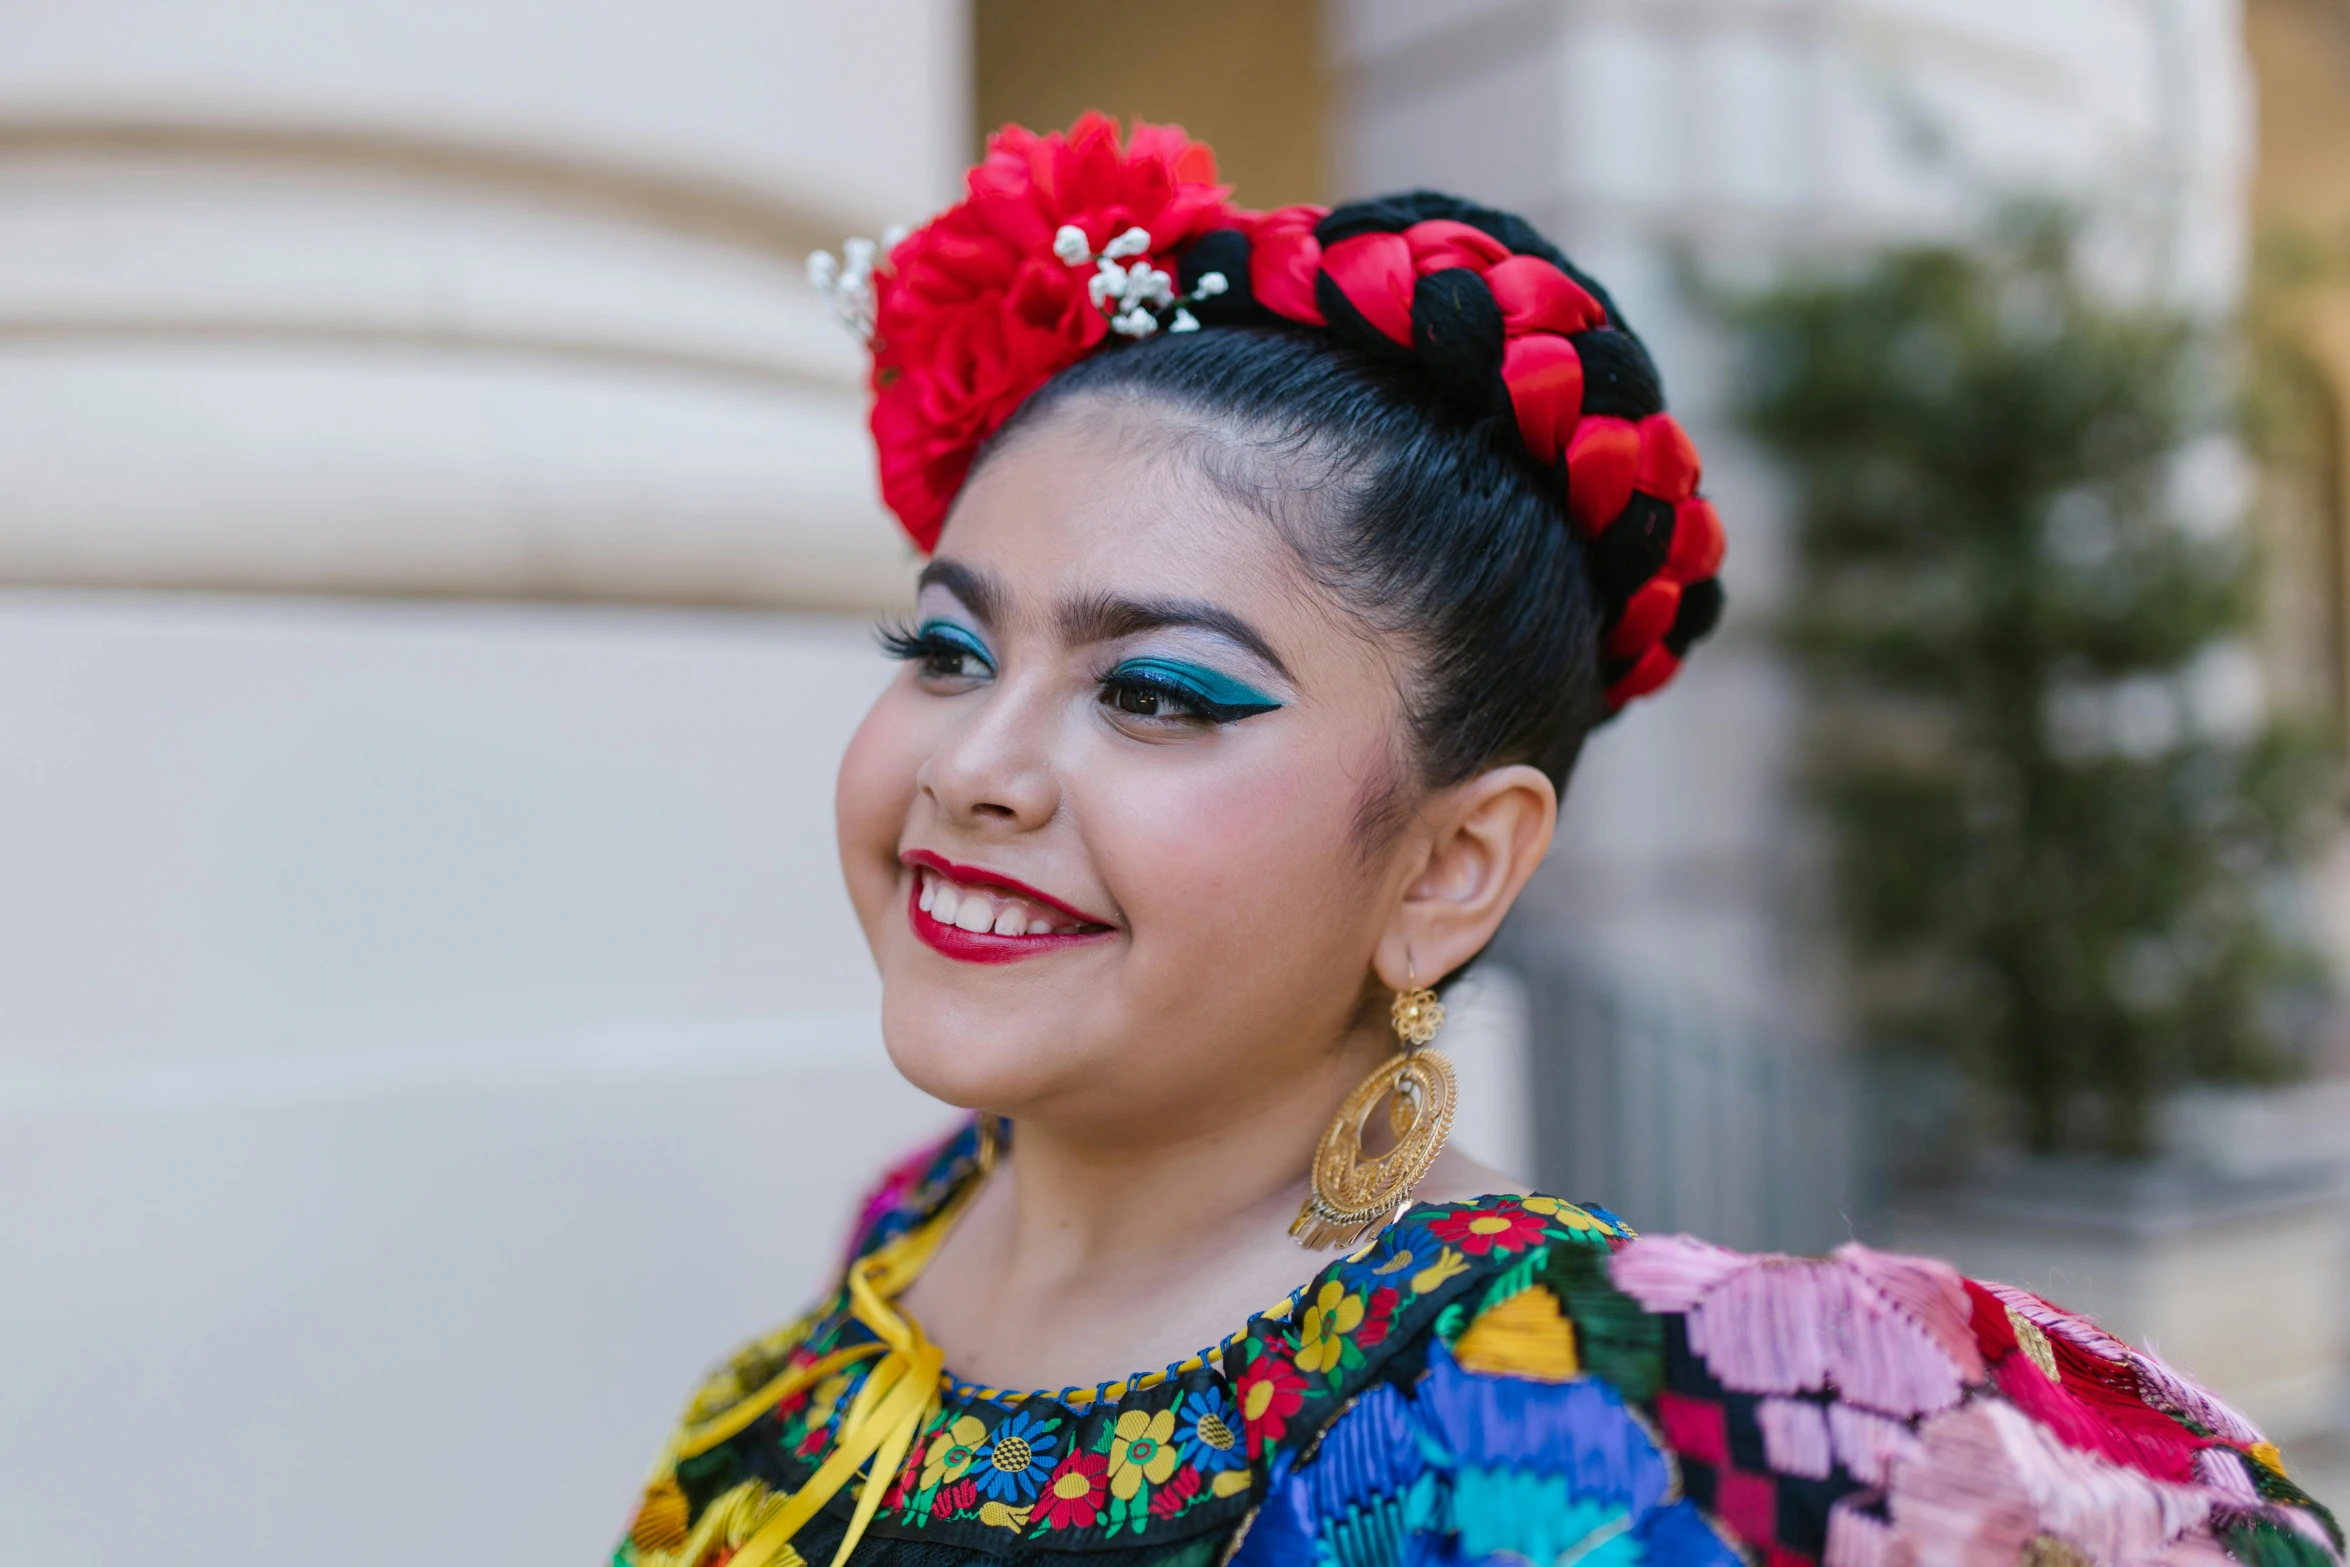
(977, 309)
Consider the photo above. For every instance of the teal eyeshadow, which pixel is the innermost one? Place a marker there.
(948, 631)
(1211, 686)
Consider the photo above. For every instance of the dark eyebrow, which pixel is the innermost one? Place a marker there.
(1105, 617)
(975, 589)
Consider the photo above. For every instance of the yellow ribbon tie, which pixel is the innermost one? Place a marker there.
(900, 1394)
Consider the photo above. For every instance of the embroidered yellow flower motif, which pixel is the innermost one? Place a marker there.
(952, 1452)
(1395, 1264)
(1143, 1448)
(1449, 1264)
(1321, 1336)
(1566, 1213)
(997, 1516)
(1230, 1483)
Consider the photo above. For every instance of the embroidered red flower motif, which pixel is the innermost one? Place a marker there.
(960, 1497)
(974, 311)
(1269, 1392)
(1181, 1487)
(1481, 1230)
(907, 1481)
(1378, 1317)
(1072, 1498)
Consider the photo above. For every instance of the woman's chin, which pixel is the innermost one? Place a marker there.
(978, 1058)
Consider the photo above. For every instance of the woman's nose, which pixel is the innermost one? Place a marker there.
(994, 769)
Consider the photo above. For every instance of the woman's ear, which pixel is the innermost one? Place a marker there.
(1484, 838)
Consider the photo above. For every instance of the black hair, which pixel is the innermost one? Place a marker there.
(1429, 520)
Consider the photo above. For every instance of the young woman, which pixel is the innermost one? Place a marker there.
(1278, 566)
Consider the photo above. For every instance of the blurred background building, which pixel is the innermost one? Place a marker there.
(439, 547)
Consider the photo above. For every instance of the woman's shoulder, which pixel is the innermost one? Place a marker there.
(1591, 1387)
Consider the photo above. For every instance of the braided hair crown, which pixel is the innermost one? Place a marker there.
(974, 313)
(1501, 323)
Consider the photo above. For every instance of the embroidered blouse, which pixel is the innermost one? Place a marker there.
(1514, 1377)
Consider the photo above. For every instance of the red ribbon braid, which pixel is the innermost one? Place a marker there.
(1404, 284)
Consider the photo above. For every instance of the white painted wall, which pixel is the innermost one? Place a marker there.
(453, 298)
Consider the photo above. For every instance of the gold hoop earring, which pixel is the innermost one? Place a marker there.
(1351, 1193)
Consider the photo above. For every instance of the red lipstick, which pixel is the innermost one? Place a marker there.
(985, 946)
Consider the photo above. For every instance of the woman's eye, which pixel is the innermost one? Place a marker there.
(1145, 702)
(938, 652)
(1180, 693)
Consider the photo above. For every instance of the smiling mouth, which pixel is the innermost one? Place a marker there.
(990, 910)
(986, 920)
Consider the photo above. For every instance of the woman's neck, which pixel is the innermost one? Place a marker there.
(1089, 1257)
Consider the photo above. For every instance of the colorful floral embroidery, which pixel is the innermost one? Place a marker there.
(1270, 1391)
(1210, 1435)
(952, 1452)
(1015, 1463)
(1072, 1499)
(1176, 1494)
(1504, 1367)
(1477, 1231)
(1143, 1450)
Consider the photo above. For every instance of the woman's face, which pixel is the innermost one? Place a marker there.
(1103, 830)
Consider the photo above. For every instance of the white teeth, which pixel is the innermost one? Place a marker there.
(969, 908)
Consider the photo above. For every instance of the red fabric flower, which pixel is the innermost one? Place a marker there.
(1481, 1230)
(975, 312)
(1268, 1392)
(960, 1497)
(1072, 1498)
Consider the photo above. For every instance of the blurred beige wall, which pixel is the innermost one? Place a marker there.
(1245, 76)
(2301, 197)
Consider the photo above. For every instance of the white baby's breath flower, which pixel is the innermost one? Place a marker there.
(1146, 284)
(1071, 246)
(1211, 284)
(1134, 242)
(1184, 321)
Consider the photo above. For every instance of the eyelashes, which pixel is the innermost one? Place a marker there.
(941, 647)
(1168, 690)
(1145, 687)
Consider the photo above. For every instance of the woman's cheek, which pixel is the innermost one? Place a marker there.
(872, 796)
(1220, 859)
